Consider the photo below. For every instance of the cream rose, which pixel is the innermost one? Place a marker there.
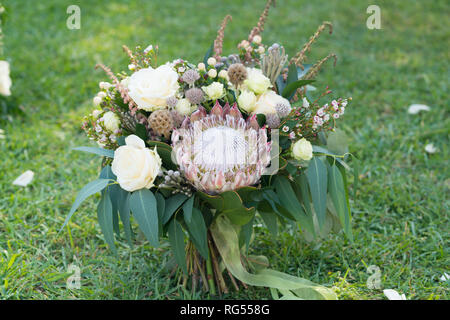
(111, 121)
(150, 88)
(256, 81)
(135, 166)
(214, 91)
(247, 101)
(268, 101)
(5, 80)
(302, 150)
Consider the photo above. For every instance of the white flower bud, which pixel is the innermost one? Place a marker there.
(257, 39)
(212, 61)
(223, 74)
(131, 66)
(201, 66)
(97, 100)
(302, 150)
(111, 121)
(247, 101)
(101, 94)
(212, 73)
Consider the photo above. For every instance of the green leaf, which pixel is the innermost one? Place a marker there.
(88, 190)
(337, 192)
(290, 89)
(97, 151)
(143, 206)
(292, 74)
(124, 213)
(317, 179)
(141, 131)
(172, 204)
(208, 54)
(197, 229)
(105, 219)
(235, 210)
(176, 240)
(161, 205)
(270, 219)
(246, 234)
(215, 201)
(289, 201)
(165, 152)
(187, 209)
(261, 119)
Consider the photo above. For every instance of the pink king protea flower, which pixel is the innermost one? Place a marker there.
(220, 151)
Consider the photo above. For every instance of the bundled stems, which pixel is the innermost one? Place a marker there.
(207, 271)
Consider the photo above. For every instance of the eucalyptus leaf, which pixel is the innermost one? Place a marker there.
(187, 209)
(144, 208)
(197, 228)
(337, 193)
(98, 151)
(317, 180)
(176, 240)
(88, 190)
(172, 204)
(105, 219)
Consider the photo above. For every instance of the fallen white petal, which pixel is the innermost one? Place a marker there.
(430, 148)
(416, 108)
(393, 295)
(24, 179)
(445, 277)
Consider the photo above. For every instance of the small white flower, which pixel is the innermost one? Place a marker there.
(326, 117)
(336, 115)
(257, 39)
(131, 66)
(5, 79)
(214, 91)
(393, 295)
(96, 113)
(285, 129)
(260, 50)
(320, 112)
(201, 66)
(344, 103)
(97, 100)
(223, 74)
(430, 148)
(416, 108)
(24, 179)
(101, 94)
(104, 85)
(305, 103)
(181, 69)
(212, 61)
(148, 49)
(111, 121)
(212, 73)
(292, 135)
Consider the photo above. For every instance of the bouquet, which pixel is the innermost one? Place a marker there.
(200, 153)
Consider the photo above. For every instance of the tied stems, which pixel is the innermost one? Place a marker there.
(209, 271)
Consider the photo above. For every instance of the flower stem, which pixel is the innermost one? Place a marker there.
(210, 276)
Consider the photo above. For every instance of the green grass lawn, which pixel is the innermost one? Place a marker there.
(400, 208)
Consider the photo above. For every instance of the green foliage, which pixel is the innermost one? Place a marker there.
(144, 208)
(398, 207)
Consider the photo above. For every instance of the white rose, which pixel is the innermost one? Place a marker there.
(247, 101)
(256, 81)
(302, 150)
(135, 166)
(111, 121)
(201, 66)
(214, 91)
(267, 102)
(5, 80)
(184, 107)
(150, 88)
